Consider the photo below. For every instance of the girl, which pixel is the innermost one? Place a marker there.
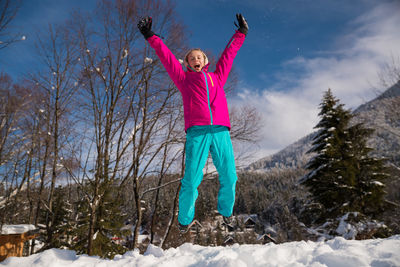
(206, 117)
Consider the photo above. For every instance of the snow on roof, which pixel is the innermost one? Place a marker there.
(16, 228)
(245, 217)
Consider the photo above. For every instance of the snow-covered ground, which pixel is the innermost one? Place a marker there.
(335, 252)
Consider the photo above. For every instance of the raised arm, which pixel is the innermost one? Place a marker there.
(225, 62)
(167, 58)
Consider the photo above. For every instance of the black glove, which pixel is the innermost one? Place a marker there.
(144, 26)
(243, 27)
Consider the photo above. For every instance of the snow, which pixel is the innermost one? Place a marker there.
(335, 252)
(16, 229)
(378, 183)
(345, 229)
(148, 60)
(126, 53)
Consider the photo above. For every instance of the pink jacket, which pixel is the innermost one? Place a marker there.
(204, 100)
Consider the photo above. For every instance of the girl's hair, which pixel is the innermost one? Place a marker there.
(186, 62)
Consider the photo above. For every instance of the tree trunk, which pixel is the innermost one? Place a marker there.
(50, 213)
(42, 177)
(139, 214)
(153, 217)
(176, 203)
(92, 222)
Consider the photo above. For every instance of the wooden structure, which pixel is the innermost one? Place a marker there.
(249, 222)
(229, 241)
(267, 238)
(195, 227)
(12, 244)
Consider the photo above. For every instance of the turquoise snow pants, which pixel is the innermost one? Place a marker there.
(199, 141)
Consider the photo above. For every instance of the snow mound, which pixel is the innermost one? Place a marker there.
(335, 252)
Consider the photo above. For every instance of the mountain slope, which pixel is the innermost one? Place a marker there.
(381, 114)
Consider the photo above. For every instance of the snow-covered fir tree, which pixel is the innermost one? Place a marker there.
(57, 233)
(342, 176)
(366, 192)
(108, 222)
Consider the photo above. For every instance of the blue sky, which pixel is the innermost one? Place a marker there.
(295, 50)
(279, 30)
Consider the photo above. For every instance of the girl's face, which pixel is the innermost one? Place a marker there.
(196, 60)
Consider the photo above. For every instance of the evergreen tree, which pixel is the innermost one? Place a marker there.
(80, 227)
(109, 221)
(61, 224)
(343, 177)
(240, 205)
(322, 180)
(367, 193)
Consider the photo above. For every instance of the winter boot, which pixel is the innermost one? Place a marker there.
(183, 229)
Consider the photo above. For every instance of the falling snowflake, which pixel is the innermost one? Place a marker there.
(125, 53)
(148, 60)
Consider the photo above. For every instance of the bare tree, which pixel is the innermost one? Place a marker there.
(125, 104)
(390, 78)
(8, 11)
(390, 99)
(35, 128)
(14, 100)
(245, 132)
(172, 140)
(57, 82)
(390, 73)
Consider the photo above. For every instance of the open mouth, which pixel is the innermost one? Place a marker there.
(197, 66)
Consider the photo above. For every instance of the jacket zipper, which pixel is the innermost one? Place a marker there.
(208, 98)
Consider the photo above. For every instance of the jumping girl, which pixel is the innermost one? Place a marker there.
(206, 117)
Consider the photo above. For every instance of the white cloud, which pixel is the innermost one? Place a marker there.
(350, 70)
